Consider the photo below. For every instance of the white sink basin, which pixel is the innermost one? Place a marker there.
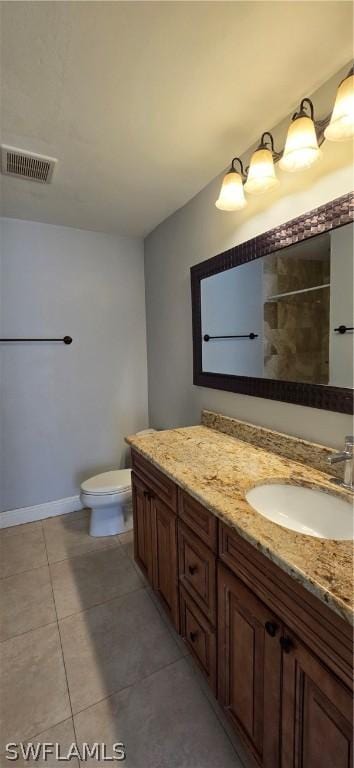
(305, 510)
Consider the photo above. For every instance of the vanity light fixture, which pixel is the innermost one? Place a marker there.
(302, 148)
(232, 196)
(341, 126)
(261, 173)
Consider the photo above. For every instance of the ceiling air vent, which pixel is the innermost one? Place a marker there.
(26, 165)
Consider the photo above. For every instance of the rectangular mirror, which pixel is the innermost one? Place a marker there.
(282, 319)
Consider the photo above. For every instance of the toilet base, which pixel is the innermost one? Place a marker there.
(110, 520)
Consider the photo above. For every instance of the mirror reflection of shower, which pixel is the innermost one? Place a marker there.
(282, 311)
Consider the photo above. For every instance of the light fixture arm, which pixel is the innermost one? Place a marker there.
(234, 170)
(267, 137)
(302, 111)
(320, 125)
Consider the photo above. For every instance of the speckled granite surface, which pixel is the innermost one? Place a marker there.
(286, 446)
(218, 470)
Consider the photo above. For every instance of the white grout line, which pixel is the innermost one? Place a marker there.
(97, 605)
(60, 641)
(126, 687)
(26, 631)
(21, 573)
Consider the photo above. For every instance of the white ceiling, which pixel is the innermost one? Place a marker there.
(144, 102)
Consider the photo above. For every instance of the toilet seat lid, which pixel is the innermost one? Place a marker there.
(108, 482)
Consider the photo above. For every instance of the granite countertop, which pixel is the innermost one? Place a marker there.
(218, 470)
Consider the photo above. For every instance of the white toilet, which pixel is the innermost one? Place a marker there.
(108, 495)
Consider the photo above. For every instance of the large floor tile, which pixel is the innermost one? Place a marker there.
(165, 721)
(22, 547)
(126, 540)
(111, 646)
(26, 602)
(62, 735)
(92, 579)
(68, 536)
(203, 684)
(33, 690)
(167, 621)
(77, 515)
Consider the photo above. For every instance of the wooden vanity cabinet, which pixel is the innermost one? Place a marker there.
(142, 526)
(155, 533)
(197, 546)
(197, 571)
(164, 557)
(199, 520)
(249, 667)
(200, 637)
(317, 728)
(279, 659)
(302, 717)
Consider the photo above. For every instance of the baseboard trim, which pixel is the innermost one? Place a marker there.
(39, 511)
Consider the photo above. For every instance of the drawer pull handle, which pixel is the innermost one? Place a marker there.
(193, 636)
(271, 628)
(193, 569)
(148, 495)
(286, 644)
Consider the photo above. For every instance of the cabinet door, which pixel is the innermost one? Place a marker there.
(164, 547)
(142, 527)
(316, 712)
(249, 667)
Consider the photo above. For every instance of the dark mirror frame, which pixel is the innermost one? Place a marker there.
(335, 214)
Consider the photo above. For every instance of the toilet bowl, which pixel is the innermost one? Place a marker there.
(108, 495)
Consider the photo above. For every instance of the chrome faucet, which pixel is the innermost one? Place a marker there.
(347, 456)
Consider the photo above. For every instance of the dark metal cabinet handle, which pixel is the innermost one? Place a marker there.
(193, 636)
(286, 644)
(192, 569)
(148, 495)
(271, 628)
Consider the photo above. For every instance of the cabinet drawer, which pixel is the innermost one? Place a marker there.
(199, 637)
(159, 484)
(197, 571)
(199, 519)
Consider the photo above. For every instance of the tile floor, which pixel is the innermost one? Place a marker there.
(86, 654)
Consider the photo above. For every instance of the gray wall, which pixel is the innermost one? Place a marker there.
(199, 231)
(65, 409)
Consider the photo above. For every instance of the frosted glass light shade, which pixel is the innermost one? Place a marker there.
(341, 126)
(231, 197)
(261, 174)
(301, 146)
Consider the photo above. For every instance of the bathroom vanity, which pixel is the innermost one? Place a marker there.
(266, 612)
